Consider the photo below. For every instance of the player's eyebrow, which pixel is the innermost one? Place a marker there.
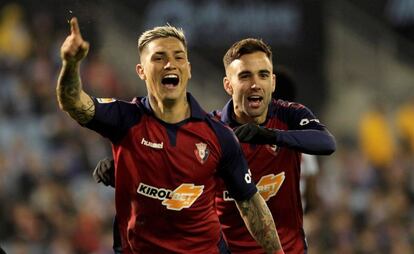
(264, 71)
(164, 52)
(244, 73)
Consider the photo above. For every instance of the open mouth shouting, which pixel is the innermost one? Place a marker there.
(170, 80)
(255, 101)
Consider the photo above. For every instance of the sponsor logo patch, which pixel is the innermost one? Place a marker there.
(267, 186)
(306, 121)
(182, 197)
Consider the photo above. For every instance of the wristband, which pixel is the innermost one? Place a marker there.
(279, 252)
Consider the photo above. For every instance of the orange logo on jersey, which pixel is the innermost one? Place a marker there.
(183, 196)
(270, 184)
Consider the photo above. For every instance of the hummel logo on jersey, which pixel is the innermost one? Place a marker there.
(152, 144)
(201, 152)
(267, 186)
(182, 197)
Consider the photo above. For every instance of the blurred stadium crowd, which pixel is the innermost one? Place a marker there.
(49, 202)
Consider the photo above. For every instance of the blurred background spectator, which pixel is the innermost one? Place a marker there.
(352, 60)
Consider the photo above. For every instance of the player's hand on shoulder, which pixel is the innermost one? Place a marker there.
(74, 48)
(255, 134)
(104, 172)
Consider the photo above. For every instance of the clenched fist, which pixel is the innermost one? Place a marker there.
(105, 172)
(74, 48)
(255, 134)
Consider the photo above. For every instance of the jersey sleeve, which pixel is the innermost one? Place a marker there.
(113, 118)
(300, 117)
(233, 167)
(305, 133)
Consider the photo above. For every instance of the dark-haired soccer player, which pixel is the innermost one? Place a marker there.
(279, 132)
(274, 134)
(168, 153)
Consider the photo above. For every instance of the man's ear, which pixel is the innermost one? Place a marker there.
(189, 70)
(140, 71)
(274, 82)
(227, 86)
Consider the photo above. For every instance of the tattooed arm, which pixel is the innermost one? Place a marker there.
(70, 95)
(259, 222)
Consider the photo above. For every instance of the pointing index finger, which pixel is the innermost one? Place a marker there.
(74, 27)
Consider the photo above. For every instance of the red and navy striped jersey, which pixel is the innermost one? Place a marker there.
(166, 176)
(276, 171)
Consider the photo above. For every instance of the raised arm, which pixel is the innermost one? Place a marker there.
(70, 95)
(259, 222)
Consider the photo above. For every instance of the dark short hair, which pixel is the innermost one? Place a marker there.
(246, 46)
(161, 32)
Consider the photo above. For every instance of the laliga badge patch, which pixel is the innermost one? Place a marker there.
(201, 152)
(105, 100)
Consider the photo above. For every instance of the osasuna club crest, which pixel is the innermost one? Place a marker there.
(201, 152)
(274, 149)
